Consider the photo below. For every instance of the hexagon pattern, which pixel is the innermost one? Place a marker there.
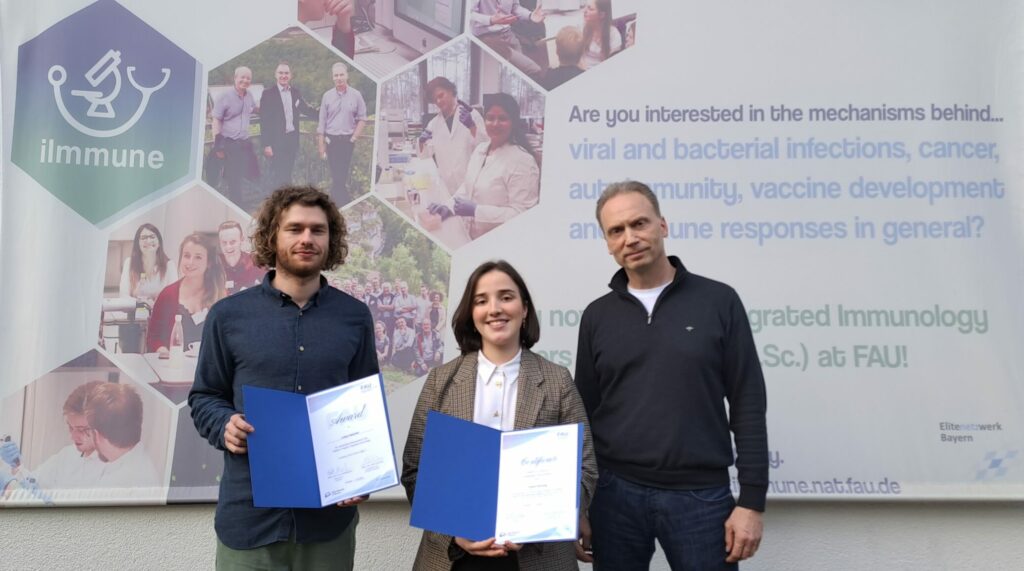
(104, 120)
(555, 40)
(461, 151)
(403, 277)
(254, 144)
(451, 151)
(59, 427)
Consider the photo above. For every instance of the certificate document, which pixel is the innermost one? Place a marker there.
(538, 485)
(477, 482)
(320, 449)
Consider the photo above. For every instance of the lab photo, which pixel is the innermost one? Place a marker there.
(460, 146)
(383, 36)
(85, 432)
(553, 41)
(288, 111)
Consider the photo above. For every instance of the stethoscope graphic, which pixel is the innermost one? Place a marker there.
(99, 104)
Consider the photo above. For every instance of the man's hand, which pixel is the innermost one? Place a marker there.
(343, 9)
(268, 152)
(236, 434)
(743, 532)
(353, 501)
(487, 547)
(583, 548)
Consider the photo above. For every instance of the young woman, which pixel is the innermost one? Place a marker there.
(600, 37)
(502, 179)
(201, 285)
(497, 382)
(147, 270)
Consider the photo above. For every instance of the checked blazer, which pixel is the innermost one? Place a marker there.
(546, 396)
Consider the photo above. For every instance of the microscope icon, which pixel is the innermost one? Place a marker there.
(99, 104)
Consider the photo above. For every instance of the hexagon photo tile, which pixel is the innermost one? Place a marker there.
(103, 121)
(553, 41)
(385, 35)
(461, 143)
(84, 433)
(402, 276)
(288, 111)
(170, 263)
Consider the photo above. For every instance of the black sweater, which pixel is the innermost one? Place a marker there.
(655, 388)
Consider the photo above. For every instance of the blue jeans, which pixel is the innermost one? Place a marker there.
(626, 518)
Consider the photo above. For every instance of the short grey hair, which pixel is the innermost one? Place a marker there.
(616, 188)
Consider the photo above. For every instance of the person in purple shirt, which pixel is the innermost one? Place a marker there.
(342, 120)
(232, 112)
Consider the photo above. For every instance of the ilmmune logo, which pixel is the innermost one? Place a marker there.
(105, 111)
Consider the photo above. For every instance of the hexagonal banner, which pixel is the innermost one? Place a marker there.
(402, 276)
(464, 142)
(555, 40)
(86, 432)
(197, 242)
(104, 120)
(289, 111)
(387, 37)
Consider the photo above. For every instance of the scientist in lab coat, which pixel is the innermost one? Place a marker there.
(502, 178)
(452, 134)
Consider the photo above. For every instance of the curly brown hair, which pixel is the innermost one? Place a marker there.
(268, 218)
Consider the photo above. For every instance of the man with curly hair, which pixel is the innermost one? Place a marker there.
(292, 333)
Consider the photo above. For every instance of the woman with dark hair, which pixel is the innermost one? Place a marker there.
(502, 179)
(600, 37)
(146, 271)
(497, 382)
(201, 285)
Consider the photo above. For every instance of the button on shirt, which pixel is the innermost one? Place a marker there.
(234, 111)
(260, 337)
(497, 387)
(340, 111)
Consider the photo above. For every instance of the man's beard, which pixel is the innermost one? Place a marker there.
(301, 271)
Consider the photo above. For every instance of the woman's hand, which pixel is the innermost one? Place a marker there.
(487, 547)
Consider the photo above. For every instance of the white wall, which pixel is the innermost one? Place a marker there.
(799, 535)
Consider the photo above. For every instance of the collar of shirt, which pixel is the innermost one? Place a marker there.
(486, 370)
(272, 291)
(283, 88)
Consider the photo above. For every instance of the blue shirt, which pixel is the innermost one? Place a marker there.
(341, 111)
(260, 337)
(235, 113)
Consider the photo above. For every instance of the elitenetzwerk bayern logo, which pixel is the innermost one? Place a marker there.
(105, 110)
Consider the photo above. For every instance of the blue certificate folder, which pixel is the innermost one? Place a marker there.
(457, 483)
(282, 464)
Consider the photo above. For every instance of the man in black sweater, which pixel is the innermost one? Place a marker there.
(658, 358)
